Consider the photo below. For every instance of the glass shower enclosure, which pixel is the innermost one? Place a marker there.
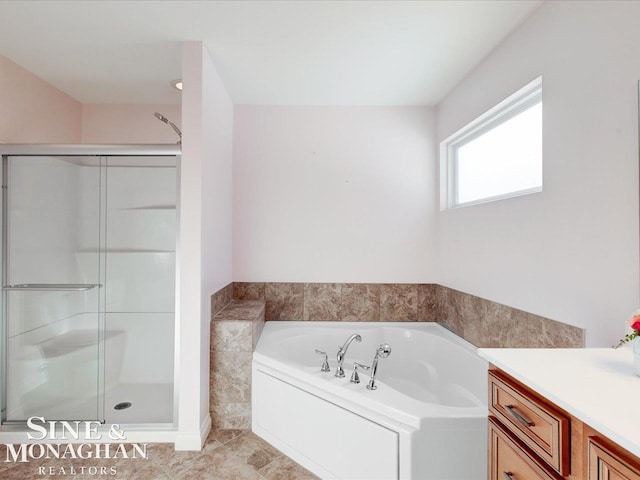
(88, 292)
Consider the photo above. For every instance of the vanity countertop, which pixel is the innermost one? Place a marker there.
(596, 385)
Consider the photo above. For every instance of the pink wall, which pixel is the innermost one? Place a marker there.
(33, 111)
(216, 185)
(205, 231)
(334, 194)
(129, 123)
(569, 253)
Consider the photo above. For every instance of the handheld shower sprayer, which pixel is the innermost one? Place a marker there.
(164, 119)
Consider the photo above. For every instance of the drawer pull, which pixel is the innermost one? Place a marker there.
(508, 476)
(518, 417)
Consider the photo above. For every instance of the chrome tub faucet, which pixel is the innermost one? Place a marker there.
(342, 351)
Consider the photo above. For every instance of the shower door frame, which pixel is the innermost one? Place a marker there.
(86, 150)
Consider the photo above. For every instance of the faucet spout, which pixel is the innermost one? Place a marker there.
(342, 352)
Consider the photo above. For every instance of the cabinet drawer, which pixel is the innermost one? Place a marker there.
(539, 426)
(509, 459)
(605, 464)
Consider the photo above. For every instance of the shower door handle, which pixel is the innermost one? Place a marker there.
(61, 287)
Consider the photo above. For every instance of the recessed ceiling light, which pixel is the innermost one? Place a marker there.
(177, 84)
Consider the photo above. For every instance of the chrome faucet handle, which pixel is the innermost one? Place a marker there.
(355, 378)
(362, 366)
(325, 361)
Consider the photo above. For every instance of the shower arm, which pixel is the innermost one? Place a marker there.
(164, 119)
(177, 130)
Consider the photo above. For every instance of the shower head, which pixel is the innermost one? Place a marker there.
(161, 117)
(164, 119)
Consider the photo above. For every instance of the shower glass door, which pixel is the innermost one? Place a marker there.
(53, 270)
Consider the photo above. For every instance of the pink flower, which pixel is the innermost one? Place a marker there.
(634, 322)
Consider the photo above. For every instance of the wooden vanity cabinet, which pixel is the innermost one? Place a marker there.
(530, 438)
(607, 461)
(510, 459)
(544, 429)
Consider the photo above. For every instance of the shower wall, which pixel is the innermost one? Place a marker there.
(141, 237)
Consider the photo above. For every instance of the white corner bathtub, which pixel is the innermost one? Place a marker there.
(427, 420)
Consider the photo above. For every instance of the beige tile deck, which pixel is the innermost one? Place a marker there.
(227, 455)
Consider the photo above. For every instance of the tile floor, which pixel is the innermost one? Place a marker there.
(227, 455)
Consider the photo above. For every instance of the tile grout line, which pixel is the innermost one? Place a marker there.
(165, 470)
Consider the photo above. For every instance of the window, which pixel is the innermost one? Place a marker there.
(498, 155)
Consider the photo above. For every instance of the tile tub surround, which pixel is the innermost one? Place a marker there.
(482, 322)
(234, 333)
(348, 302)
(221, 299)
(236, 327)
(489, 324)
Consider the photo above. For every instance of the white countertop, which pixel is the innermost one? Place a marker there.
(596, 385)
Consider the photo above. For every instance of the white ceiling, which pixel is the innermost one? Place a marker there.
(267, 52)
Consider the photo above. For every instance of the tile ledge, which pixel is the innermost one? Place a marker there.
(238, 310)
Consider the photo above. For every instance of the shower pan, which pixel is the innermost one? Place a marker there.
(88, 270)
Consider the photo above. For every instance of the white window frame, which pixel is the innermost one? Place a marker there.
(515, 104)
